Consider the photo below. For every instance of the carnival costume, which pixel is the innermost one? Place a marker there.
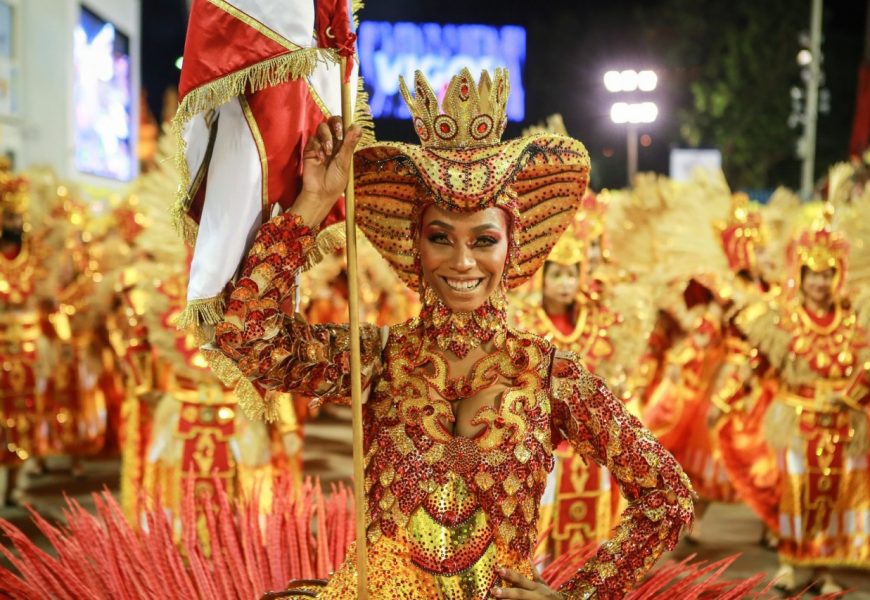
(42, 410)
(20, 329)
(581, 502)
(816, 426)
(702, 289)
(740, 369)
(445, 511)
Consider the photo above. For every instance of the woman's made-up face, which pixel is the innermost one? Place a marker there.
(463, 255)
(561, 283)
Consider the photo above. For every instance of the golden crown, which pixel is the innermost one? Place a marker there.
(821, 249)
(470, 115)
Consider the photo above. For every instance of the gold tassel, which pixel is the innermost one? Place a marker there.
(181, 204)
(355, 7)
(184, 225)
(328, 241)
(199, 313)
(255, 406)
(362, 115)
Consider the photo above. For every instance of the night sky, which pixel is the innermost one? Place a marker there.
(570, 45)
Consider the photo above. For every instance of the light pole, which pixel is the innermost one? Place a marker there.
(812, 115)
(632, 113)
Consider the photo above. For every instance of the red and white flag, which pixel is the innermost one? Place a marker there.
(258, 76)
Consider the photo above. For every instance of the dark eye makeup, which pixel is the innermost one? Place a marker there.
(486, 240)
(438, 238)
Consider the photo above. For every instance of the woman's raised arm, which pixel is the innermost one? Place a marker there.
(281, 351)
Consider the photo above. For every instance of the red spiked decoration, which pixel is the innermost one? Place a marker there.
(238, 552)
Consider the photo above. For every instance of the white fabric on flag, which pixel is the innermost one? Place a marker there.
(292, 19)
(196, 137)
(233, 205)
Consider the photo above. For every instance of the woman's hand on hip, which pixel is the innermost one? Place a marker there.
(326, 164)
(524, 588)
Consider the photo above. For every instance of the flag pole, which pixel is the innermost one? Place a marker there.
(355, 363)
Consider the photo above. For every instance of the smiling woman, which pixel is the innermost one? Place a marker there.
(463, 255)
(463, 411)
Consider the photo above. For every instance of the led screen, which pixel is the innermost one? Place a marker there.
(387, 50)
(102, 92)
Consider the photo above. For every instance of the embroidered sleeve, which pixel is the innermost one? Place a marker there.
(277, 350)
(660, 496)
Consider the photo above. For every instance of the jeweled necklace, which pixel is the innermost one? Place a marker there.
(459, 332)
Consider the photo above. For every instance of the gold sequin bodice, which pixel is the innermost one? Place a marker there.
(462, 501)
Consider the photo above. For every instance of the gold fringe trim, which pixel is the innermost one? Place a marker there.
(255, 406)
(269, 73)
(184, 225)
(328, 241)
(362, 115)
(199, 313)
(355, 7)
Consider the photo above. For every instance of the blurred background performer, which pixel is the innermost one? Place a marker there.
(815, 337)
(41, 410)
(696, 293)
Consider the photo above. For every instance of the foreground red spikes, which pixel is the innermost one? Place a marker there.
(685, 579)
(219, 549)
(213, 549)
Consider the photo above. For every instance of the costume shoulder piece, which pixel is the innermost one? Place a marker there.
(526, 338)
(760, 322)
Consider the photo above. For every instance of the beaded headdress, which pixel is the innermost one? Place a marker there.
(741, 235)
(462, 165)
(819, 248)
